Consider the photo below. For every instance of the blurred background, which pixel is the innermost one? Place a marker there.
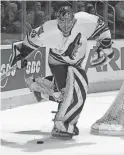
(18, 17)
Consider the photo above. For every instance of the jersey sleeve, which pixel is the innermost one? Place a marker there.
(43, 36)
(100, 29)
(33, 39)
(104, 42)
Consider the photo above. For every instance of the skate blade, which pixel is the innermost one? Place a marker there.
(61, 138)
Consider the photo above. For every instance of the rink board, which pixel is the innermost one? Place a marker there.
(16, 98)
(16, 79)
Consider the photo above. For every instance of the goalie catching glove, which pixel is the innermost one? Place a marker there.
(103, 52)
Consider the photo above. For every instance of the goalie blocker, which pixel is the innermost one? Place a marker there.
(103, 52)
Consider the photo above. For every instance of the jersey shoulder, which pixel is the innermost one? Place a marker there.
(86, 23)
(47, 27)
(50, 25)
(84, 17)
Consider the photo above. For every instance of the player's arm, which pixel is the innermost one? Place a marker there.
(103, 44)
(23, 48)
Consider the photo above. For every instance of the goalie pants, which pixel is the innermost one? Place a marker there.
(72, 82)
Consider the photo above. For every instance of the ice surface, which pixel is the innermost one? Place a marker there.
(22, 127)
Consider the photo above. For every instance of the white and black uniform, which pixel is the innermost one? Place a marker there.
(65, 59)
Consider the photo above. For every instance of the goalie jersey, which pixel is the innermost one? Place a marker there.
(69, 49)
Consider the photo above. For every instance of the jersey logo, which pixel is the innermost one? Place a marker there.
(73, 47)
(33, 33)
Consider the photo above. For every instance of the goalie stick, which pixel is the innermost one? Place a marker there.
(4, 75)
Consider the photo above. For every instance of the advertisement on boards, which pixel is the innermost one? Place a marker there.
(38, 66)
(16, 78)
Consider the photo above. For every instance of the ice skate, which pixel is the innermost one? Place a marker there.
(61, 134)
(76, 131)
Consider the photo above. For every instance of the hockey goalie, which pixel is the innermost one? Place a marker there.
(66, 37)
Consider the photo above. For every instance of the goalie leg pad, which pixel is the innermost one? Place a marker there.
(61, 134)
(44, 86)
(74, 96)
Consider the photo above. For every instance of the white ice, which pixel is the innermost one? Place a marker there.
(22, 127)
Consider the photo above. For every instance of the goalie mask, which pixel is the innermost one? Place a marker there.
(65, 20)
